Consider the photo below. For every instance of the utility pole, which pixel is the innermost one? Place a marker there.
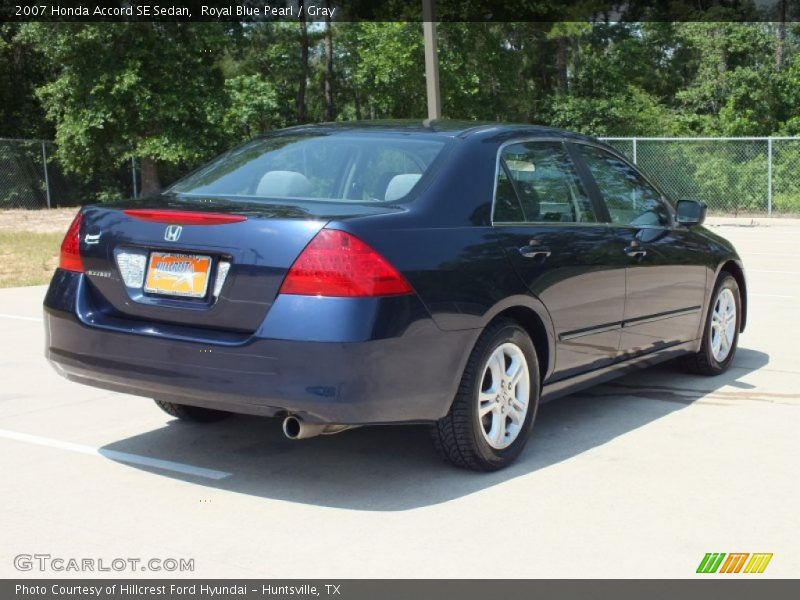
(431, 60)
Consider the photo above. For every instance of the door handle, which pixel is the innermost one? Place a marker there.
(635, 251)
(534, 251)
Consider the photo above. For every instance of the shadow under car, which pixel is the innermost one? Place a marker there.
(392, 468)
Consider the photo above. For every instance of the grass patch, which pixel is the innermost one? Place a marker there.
(28, 258)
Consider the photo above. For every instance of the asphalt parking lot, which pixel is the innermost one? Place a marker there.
(637, 478)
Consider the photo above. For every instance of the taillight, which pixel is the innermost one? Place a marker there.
(183, 217)
(70, 259)
(336, 263)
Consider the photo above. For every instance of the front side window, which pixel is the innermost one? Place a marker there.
(537, 182)
(316, 167)
(629, 198)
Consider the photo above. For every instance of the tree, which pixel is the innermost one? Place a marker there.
(172, 94)
(147, 90)
(269, 52)
(22, 71)
(385, 83)
(780, 35)
(731, 90)
(252, 107)
(330, 110)
(302, 115)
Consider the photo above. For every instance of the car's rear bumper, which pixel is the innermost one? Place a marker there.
(383, 368)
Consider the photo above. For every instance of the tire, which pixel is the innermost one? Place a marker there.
(493, 441)
(195, 414)
(709, 360)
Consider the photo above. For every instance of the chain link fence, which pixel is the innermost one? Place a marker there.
(24, 174)
(31, 177)
(752, 176)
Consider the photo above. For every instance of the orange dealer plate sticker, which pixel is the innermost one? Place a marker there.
(178, 274)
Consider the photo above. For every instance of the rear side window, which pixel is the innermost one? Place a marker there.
(629, 198)
(541, 178)
(319, 167)
(507, 208)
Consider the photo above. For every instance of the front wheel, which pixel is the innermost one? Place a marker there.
(721, 332)
(492, 414)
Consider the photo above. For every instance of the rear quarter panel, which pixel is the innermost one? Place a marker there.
(444, 245)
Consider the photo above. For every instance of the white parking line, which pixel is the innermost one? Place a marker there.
(38, 319)
(134, 459)
(771, 271)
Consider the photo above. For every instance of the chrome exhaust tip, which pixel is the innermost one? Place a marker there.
(295, 428)
(292, 427)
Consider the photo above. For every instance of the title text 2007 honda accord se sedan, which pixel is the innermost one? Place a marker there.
(356, 274)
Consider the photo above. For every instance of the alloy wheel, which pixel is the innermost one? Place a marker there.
(504, 395)
(723, 325)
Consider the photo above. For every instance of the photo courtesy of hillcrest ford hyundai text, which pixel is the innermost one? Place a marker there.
(446, 273)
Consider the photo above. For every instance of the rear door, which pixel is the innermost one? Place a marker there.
(549, 227)
(666, 273)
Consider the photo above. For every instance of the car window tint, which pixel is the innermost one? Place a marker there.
(319, 167)
(380, 166)
(546, 184)
(629, 198)
(506, 205)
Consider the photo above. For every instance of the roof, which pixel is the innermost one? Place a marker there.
(443, 127)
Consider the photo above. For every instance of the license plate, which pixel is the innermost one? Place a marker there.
(178, 274)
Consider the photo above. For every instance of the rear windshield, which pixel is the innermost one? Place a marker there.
(336, 168)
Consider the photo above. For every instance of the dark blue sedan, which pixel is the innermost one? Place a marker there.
(359, 274)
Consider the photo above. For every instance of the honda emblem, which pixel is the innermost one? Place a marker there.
(172, 233)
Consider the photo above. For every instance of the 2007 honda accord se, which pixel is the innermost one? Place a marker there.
(394, 272)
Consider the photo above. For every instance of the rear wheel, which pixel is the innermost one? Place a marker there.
(197, 414)
(721, 332)
(493, 412)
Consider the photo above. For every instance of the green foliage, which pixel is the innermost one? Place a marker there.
(627, 112)
(381, 70)
(786, 177)
(179, 93)
(731, 186)
(252, 106)
(131, 90)
(22, 70)
(788, 204)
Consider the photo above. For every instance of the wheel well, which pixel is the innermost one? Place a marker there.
(533, 325)
(736, 271)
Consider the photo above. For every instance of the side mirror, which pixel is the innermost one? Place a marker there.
(691, 212)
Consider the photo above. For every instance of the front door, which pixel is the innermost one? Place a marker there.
(665, 277)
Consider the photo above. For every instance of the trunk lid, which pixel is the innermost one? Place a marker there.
(259, 250)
